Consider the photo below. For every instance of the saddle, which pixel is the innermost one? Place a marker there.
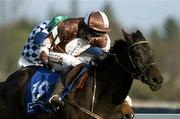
(74, 77)
(71, 73)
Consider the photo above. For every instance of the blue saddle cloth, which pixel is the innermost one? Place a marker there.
(40, 88)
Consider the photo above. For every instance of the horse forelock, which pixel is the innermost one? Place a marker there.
(137, 36)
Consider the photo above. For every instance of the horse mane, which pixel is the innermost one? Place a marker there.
(109, 58)
(118, 46)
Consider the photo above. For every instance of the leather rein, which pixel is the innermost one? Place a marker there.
(82, 109)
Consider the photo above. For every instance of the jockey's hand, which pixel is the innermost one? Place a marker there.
(43, 57)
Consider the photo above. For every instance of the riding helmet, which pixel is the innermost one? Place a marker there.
(97, 21)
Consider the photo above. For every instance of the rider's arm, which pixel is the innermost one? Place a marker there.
(51, 38)
(45, 48)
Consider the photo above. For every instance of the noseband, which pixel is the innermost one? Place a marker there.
(142, 71)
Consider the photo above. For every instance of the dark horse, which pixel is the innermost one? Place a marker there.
(106, 88)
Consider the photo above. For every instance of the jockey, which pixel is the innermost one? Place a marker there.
(60, 42)
(69, 39)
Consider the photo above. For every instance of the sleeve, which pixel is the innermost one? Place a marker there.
(45, 46)
(108, 45)
(55, 35)
(39, 37)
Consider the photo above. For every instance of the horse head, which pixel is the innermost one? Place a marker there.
(139, 61)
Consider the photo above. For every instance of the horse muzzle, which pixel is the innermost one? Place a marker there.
(155, 83)
(153, 78)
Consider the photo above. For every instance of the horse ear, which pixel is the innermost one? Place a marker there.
(140, 34)
(127, 36)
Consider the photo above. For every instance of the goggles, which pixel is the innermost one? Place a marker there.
(95, 33)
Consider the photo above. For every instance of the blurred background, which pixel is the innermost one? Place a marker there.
(159, 21)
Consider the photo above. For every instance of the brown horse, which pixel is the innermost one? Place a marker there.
(105, 90)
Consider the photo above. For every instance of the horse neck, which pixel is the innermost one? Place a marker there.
(106, 75)
(109, 73)
(110, 69)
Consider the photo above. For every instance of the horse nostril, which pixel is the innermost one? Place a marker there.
(160, 79)
(127, 116)
(155, 80)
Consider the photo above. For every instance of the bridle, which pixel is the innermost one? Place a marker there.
(136, 75)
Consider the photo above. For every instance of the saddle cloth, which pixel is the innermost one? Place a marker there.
(41, 86)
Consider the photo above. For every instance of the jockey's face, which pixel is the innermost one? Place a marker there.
(96, 38)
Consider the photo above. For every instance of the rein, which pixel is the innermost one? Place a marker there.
(82, 109)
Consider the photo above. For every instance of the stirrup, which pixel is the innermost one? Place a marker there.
(50, 100)
(55, 100)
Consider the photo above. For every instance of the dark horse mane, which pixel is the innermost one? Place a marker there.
(119, 46)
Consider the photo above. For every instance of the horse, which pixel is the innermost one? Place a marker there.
(105, 89)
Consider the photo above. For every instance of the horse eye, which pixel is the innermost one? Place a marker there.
(137, 55)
